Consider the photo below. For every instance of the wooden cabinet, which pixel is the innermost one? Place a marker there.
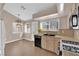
(69, 53)
(44, 41)
(68, 8)
(64, 22)
(50, 43)
(50, 25)
(44, 25)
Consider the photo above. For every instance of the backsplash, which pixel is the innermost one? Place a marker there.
(76, 34)
(63, 32)
(66, 32)
(49, 32)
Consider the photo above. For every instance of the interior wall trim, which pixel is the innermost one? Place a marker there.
(27, 39)
(12, 41)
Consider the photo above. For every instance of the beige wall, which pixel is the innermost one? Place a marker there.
(27, 36)
(10, 36)
(8, 20)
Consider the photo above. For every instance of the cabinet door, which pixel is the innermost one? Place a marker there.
(64, 22)
(50, 43)
(44, 25)
(54, 25)
(43, 42)
(69, 53)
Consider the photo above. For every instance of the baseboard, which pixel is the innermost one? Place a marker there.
(16, 40)
(27, 39)
(12, 41)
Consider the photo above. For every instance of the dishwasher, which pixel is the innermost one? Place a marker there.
(37, 41)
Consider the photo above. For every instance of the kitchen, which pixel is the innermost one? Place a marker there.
(53, 28)
(57, 35)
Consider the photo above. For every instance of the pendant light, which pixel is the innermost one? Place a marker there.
(18, 21)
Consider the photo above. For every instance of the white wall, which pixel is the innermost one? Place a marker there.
(34, 29)
(2, 37)
(8, 21)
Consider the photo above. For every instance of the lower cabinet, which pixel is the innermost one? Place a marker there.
(50, 43)
(69, 53)
(44, 42)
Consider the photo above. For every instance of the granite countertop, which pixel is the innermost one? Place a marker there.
(67, 38)
(62, 37)
(39, 34)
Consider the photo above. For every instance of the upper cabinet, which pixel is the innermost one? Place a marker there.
(50, 25)
(60, 7)
(66, 8)
(54, 25)
(64, 22)
(44, 25)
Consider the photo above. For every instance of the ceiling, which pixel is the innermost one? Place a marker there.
(25, 10)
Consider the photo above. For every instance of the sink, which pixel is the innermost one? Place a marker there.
(49, 34)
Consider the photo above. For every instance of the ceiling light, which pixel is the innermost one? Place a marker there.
(47, 17)
(56, 15)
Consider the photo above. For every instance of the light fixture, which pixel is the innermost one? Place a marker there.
(50, 16)
(18, 20)
(47, 17)
(61, 7)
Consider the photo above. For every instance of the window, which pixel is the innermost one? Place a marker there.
(51, 25)
(27, 28)
(17, 27)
